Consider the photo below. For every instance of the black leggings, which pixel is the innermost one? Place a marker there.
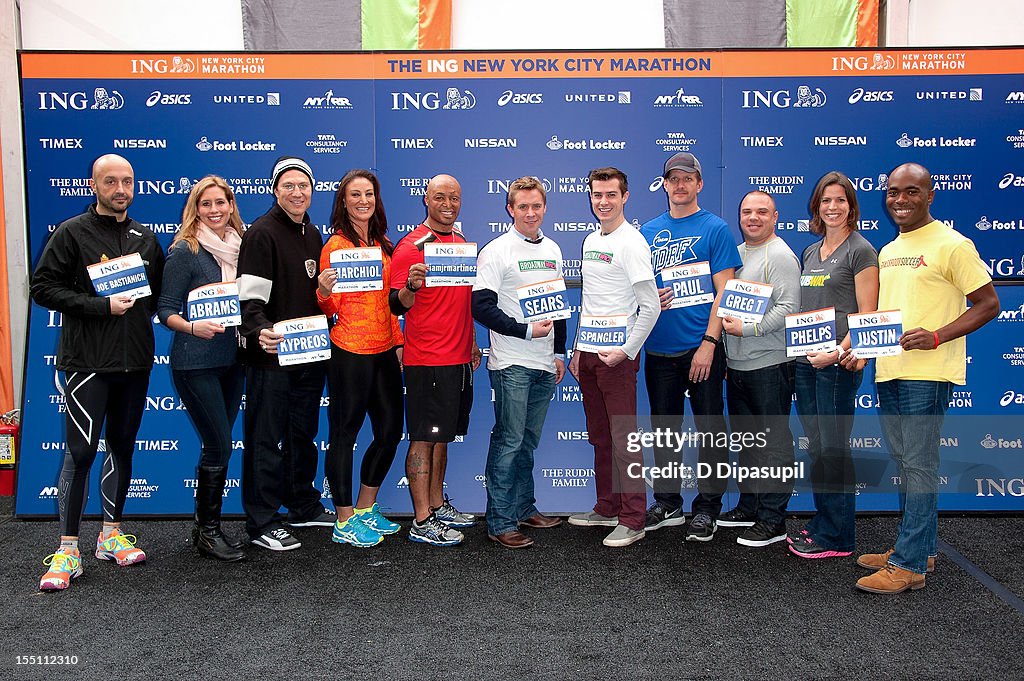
(361, 385)
(120, 399)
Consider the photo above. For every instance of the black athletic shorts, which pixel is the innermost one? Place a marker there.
(437, 401)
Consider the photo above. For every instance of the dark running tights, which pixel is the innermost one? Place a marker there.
(119, 399)
(362, 385)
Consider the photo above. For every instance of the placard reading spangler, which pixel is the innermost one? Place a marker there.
(876, 334)
(598, 333)
(305, 340)
(543, 301)
(359, 269)
(124, 276)
(450, 264)
(691, 284)
(215, 303)
(745, 300)
(812, 331)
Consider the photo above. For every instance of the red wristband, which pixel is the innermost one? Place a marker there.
(936, 334)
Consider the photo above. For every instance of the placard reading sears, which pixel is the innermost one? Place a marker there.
(305, 340)
(691, 284)
(124, 276)
(543, 301)
(876, 334)
(450, 264)
(601, 332)
(812, 331)
(747, 301)
(359, 269)
(215, 303)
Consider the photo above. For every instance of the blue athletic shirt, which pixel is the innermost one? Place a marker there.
(695, 238)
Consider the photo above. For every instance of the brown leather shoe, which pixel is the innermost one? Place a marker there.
(891, 580)
(513, 539)
(877, 561)
(539, 521)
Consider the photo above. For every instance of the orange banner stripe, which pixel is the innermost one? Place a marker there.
(435, 25)
(867, 23)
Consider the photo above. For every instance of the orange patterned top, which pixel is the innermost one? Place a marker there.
(365, 325)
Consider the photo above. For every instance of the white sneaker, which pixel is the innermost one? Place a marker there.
(623, 536)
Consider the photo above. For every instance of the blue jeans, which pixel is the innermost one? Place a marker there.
(825, 403)
(759, 402)
(212, 397)
(912, 413)
(521, 399)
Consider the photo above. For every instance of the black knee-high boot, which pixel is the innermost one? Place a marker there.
(207, 535)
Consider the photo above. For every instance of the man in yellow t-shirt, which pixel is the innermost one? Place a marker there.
(928, 272)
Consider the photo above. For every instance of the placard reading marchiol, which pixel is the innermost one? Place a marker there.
(215, 303)
(745, 300)
(123, 276)
(305, 340)
(876, 334)
(450, 264)
(812, 331)
(359, 269)
(543, 301)
(601, 332)
(691, 284)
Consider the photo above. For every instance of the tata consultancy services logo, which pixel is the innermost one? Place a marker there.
(678, 99)
(454, 99)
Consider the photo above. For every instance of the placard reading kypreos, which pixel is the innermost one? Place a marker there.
(876, 334)
(124, 276)
(305, 340)
(450, 264)
(359, 269)
(598, 333)
(215, 303)
(543, 301)
(691, 284)
(812, 331)
(745, 300)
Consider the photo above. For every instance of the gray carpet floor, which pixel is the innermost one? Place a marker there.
(567, 608)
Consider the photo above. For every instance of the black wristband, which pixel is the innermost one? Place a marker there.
(711, 339)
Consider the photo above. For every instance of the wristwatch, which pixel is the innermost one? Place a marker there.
(407, 282)
(711, 339)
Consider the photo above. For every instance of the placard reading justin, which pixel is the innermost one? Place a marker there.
(215, 303)
(359, 269)
(543, 301)
(691, 284)
(813, 331)
(598, 333)
(450, 264)
(305, 340)
(876, 334)
(124, 276)
(747, 301)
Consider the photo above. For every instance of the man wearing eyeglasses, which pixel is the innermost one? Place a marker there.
(277, 280)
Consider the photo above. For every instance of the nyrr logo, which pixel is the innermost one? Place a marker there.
(327, 101)
(1015, 98)
(156, 97)
(508, 97)
(176, 64)
(48, 493)
(679, 98)
(79, 101)
(454, 99)
(1011, 315)
(783, 99)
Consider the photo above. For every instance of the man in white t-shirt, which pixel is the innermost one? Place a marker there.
(619, 307)
(527, 359)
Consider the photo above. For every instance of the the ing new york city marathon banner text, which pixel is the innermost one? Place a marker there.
(771, 120)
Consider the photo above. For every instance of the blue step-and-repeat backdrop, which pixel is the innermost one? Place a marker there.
(771, 120)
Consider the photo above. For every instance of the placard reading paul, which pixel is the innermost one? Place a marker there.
(745, 300)
(543, 300)
(215, 303)
(450, 264)
(359, 269)
(305, 340)
(812, 331)
(876, 334)
(691, 284)
(124, 276)
(598, 333)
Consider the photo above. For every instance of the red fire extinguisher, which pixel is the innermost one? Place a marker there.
(8, 450)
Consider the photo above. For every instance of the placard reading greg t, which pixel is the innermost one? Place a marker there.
(747, 301)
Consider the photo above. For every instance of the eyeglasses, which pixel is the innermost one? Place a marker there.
(291, 186)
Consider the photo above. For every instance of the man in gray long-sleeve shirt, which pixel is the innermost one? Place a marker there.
(759, 385)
